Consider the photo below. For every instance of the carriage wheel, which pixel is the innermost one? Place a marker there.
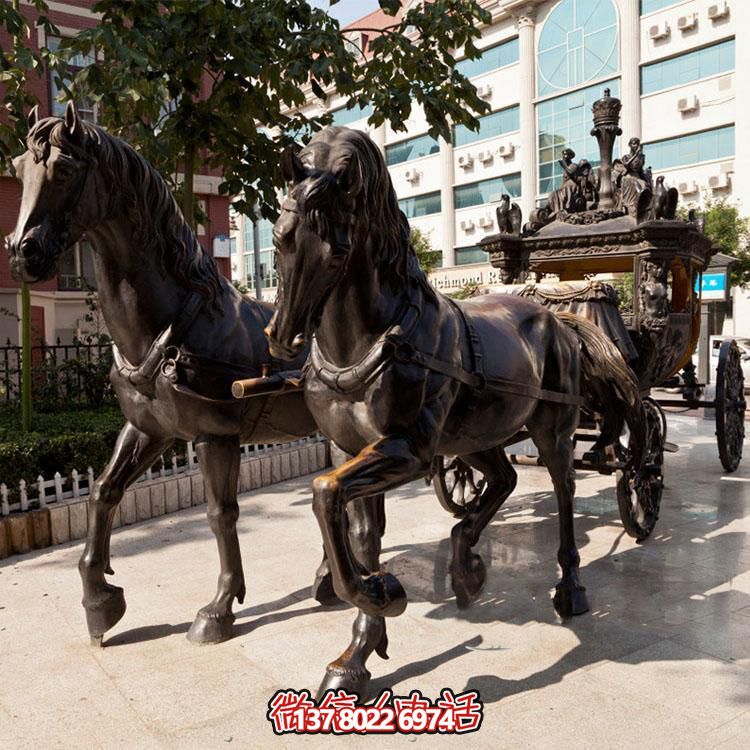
(457, 485)
(639, 488)
(730, 406)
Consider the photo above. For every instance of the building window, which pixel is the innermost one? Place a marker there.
(268, 276)
(677, 71)
(565, 122)
(86, 109)
(75, 269)
(420, 205)
(493, 58)
(650, 6)
(687, 150)
(578, 43)
(490, 126)
(473, 254)
(487, 191)
(413, 148)
(346, 116)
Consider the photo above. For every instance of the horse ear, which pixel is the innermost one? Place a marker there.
(351, 178)
(33, 117)
(292, 168)
(72, 121)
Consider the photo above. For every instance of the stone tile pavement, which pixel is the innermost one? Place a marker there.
(662, 660)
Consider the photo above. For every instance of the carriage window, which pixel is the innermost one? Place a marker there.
(75, 270)
(86, 109)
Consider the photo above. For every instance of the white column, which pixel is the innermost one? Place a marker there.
(378, 135)
(741, 176)
(447, 207)
(630, 55)
(527, 55)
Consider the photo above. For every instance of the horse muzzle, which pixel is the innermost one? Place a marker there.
(277, 345)
(28, 261)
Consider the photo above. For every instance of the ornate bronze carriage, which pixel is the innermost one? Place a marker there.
(617, 220)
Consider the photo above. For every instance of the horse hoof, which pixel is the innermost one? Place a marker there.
(385, 596)
(468, 583)
(350, 680)
(97, 641)
(322, 590)
(210, 628)
(569, 601)
(105, 611)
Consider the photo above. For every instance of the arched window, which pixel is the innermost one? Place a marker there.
(578, 44)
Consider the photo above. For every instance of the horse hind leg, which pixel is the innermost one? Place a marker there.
(104, 603)
(467, 568)
(219, 457)
(349, 672)
(552, 430)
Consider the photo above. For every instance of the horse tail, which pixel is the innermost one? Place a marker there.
(608, 384)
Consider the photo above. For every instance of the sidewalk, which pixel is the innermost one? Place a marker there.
(662, 660)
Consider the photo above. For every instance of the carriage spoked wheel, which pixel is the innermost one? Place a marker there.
(456, 484)
(730, 406)
(639, 488)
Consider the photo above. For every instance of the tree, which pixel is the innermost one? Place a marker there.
(730, 230)
(203, 83)
(429, 258)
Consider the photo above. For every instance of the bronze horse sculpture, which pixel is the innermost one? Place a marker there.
(182, 334)
(399, 374)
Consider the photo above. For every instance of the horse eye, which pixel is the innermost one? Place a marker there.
(63, 172)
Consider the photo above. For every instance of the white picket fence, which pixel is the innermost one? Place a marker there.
(42, 492)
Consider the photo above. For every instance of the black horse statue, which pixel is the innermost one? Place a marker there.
(182, 334)
(399, 374)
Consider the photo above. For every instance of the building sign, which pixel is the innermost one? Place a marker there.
(222, 246)
(713, 287)
(449, 280)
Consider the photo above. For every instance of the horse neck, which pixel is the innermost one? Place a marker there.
(359, 310)
(137, 302)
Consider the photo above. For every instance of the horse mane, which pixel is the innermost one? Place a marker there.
(160, 228)
(377, 210)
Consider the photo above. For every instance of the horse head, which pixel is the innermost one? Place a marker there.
(58, 184)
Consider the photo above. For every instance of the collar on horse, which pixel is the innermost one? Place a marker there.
(394, 345)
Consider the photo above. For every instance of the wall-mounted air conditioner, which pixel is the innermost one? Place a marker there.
(486, 221)
(412, 175)
(465, 161)
(467, 225)
(659, 31)
(485, 156)
(721, 181)
(687, 188)
(688, 103)
(506, 150)
(687, 22)
(718, 11)
(485, 91)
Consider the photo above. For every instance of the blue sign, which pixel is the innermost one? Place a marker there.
(713, 286)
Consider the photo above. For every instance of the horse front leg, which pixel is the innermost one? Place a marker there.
(104, 603)
(219, 458)
(357, 577)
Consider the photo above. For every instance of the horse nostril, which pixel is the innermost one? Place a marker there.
(30, 246)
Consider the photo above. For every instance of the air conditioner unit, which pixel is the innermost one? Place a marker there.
(465, 161)
(688, 103)
(412, 175)
(485, 91)
(659, 31)
(718, 11)
(687, 22)
(506, 150)
(485, 221)
(484, 156)
(467, 225)
(720, 181)
(687, 188)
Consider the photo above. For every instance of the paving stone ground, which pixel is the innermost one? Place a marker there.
(662, 660)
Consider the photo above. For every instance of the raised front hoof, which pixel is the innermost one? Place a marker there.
(468, 583)
(104, 610)
(322, 590)
(570, 601)
(385, 596)
(209, 627)
(354, 681)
